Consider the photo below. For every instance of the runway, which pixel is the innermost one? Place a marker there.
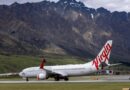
(75, 81)
(85, 79)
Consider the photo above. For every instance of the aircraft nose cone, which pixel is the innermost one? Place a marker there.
(21, 74)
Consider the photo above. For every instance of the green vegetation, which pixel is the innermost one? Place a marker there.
(66, 86)
(15, 63)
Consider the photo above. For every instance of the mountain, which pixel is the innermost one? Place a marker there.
(65, 27)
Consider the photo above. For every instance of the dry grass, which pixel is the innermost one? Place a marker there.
(65, 86)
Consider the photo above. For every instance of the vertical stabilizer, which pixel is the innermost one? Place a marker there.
(103, 55)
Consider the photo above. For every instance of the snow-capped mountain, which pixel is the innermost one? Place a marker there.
(65, 27)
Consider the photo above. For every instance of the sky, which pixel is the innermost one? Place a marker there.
(112, 5)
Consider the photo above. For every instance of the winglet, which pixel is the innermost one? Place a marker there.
(43, 61)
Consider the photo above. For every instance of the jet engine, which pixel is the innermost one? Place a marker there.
(42, 76)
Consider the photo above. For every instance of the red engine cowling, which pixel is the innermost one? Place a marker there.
(42, 76)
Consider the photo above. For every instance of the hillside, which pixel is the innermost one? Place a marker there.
(15, 63)
(65, 27)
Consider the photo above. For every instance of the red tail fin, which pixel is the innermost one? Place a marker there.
(42, 63)
(104, 55)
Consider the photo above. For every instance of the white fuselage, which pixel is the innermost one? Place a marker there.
(65, 70)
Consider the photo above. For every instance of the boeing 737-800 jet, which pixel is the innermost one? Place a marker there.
(64, 71)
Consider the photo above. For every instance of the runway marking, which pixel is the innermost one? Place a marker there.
(79, 81)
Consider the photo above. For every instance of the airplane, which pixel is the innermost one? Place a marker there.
(58, 72)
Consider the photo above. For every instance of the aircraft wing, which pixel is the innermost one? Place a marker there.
(9, 74)
(63, 74)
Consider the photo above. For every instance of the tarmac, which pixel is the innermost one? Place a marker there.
(75, 81)
(87, 79)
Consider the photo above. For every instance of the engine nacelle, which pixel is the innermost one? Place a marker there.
(42, 76)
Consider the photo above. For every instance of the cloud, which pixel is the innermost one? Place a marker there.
(8, 2)
(112, 5)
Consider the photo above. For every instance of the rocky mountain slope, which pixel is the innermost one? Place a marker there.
(65, 27)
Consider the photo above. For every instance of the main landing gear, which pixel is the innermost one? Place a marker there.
(57, 78)
(66, 78)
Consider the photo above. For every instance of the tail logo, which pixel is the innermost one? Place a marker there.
(103, 57)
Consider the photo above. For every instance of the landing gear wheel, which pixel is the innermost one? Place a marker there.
(66, 78)
(57, 78)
